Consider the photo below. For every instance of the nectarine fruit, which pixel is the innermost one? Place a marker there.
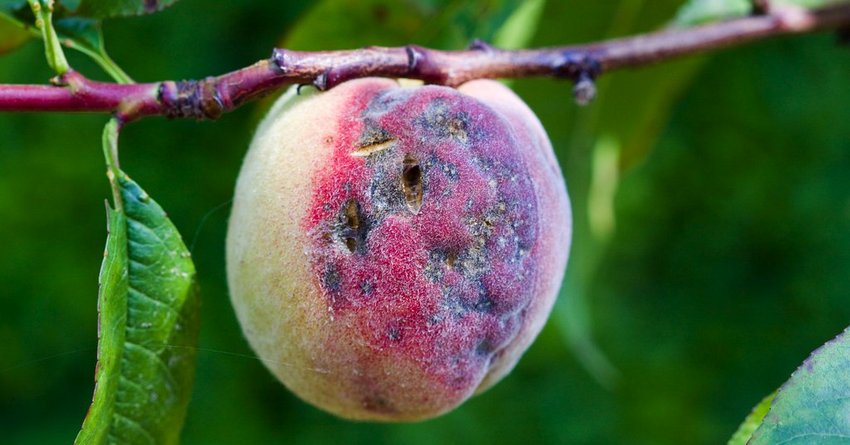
(392, 249)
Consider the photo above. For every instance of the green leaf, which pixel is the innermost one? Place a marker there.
(813, 405)
(753, 420)
(149, 307)
(112, 308)
(13, 33)
(115, 8)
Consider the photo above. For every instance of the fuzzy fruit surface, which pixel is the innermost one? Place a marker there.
(394, 250)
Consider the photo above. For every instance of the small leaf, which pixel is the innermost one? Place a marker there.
(115, 8)
(813, 405)
(753, 420)
(148, 327)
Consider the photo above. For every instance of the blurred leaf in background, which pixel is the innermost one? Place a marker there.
(597, 144)
(729, 263)
(695, 12)
(446, 24)
(712, 227)
(12, 34)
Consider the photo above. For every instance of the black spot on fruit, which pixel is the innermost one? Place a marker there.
(331, 279)
(367, 288)
(394, 333)
(484, 348)
(440, 121)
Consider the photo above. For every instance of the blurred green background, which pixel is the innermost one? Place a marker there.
(711, 253)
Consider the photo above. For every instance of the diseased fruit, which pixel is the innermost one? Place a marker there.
(394, 250)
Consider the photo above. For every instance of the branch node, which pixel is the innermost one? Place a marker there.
(75, 81)
(480, 45)
(584, 90)
(197, 99)
(420, 65)
(279, 60)
(414, 55)
(582, 68)
(577, 65)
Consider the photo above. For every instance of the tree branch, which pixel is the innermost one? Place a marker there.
(209, 98)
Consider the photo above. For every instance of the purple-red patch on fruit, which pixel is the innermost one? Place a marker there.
(423, 229)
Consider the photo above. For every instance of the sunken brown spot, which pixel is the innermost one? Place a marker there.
(352, 220)
(451, 257)
(457, 128)
(373, 146)
(411, 183)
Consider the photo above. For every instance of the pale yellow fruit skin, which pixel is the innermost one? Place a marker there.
(278, 300)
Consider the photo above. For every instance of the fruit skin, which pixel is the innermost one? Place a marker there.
(394, 250)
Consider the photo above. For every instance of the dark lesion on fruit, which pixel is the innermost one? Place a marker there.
(378, 404)
(450, 171)
(457, 127)
(484, 348)
(439, 120)
(484, 303)
(457, 304)
(451, 257)
(331, 280)
(367, 288)
(373, 140)
(394, 333)
(411, 183)
(352, 227)
(440, 261)
(474, 261)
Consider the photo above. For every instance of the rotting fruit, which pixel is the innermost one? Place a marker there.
(394, 249)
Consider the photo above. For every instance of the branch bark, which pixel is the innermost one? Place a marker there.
(210, 97)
